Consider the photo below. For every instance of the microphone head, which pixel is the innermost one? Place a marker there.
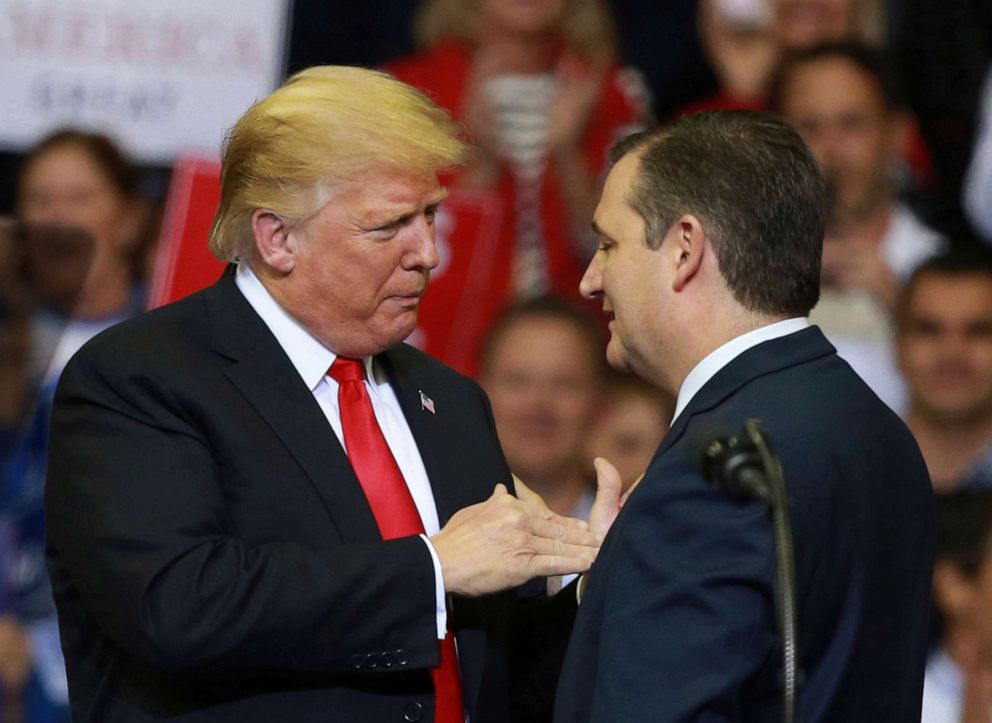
(731, 462)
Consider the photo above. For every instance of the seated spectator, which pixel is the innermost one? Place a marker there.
(944, 343)
(632, 420)
(542, 368)
(77, 202)
(958, 682)
(537, 86)
(843, 101)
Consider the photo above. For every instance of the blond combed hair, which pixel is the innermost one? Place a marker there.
(325, 126)
(586, 26)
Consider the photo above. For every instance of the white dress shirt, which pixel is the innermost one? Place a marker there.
(943, 690)
(723, 355)
(312, 360)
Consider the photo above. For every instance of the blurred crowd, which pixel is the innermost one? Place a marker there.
(543, 89)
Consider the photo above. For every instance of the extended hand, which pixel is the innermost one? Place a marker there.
(610, 497)
(505, 541)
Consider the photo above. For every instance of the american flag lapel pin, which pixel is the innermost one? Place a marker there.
(426, 402)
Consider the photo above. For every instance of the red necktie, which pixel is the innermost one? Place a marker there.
(391, 503)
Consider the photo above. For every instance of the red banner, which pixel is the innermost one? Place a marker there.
(183, 262)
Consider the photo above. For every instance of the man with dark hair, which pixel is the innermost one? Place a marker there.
(958, 684)
(845, 102)
(710, 235)
(542, 369)
(944, 340)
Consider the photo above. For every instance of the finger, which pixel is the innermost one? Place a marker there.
(526, 494)
(570, 522)
(608, 489)
(546, 530)
(550, 565)
(540, 546)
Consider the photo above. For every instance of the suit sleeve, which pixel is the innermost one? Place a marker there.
(137, 528)
(688, 616)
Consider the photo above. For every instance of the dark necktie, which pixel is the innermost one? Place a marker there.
(392, 505)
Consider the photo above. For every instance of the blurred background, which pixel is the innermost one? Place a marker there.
(112, 117)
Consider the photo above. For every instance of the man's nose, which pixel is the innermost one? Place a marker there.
(423, 250)
(592, 280)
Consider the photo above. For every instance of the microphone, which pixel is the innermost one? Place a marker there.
(734, 466)
(744, 468)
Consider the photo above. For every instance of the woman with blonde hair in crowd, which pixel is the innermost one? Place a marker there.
(537, 86)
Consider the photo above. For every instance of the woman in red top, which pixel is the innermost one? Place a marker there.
(536, 85)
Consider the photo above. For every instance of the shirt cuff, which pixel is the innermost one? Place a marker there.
(441, 609)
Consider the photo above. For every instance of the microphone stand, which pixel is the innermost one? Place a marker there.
(748, 468)
(785, 566)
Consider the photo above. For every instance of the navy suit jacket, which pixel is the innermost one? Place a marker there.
(212, 553)
(678, 620)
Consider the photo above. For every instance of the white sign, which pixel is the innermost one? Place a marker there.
(159, 76)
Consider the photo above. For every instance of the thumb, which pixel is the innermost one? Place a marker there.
(607, 504)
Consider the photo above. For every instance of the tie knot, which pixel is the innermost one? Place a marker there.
(347, 370)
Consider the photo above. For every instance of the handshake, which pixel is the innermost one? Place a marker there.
(507, 540)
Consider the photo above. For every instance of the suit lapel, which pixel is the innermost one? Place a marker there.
(265, 376)
(409, 377)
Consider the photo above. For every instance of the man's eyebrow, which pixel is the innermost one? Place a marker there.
(436, 201)
(600, 232)
(400, 217)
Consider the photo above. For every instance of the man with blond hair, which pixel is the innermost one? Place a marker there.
(262, 505)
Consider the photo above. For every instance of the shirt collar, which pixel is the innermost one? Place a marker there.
(723, 355)
(310, 358)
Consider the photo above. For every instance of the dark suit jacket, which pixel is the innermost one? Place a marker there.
(212, 553)
(678, 620)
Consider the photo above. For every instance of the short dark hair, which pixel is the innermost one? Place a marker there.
(104, 153)
(546, 306)
(752, 181)
(870, 61)
(960, 261)
(964, 525)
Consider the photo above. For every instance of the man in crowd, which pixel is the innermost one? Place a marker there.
(262, 506)
(542, 369)
(709, 262)
(944, 341)
(843, 101)
(632, 421)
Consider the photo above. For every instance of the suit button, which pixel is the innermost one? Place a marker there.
(400, 655)
(387, 659)
(413, 712)
(371, 661)
(357, 661)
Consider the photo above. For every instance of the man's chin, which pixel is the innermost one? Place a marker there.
(616, 356)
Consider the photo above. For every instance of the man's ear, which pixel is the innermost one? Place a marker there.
(691, 241)
(272, 240)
